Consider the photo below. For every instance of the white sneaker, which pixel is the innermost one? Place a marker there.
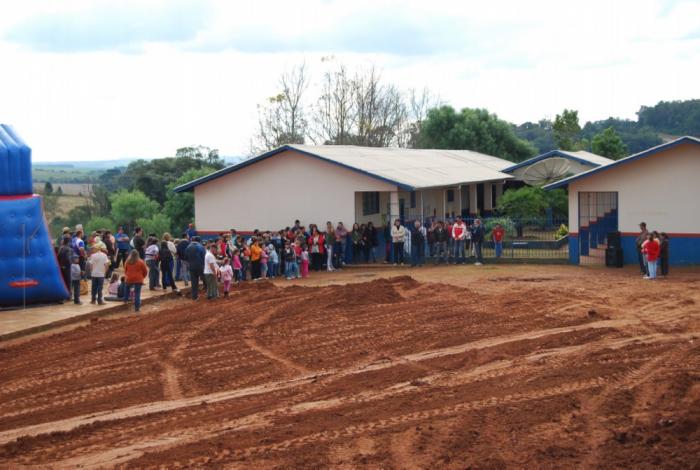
(478, 264)
(646, 277)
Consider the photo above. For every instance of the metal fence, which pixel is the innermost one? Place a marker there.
(544, 238)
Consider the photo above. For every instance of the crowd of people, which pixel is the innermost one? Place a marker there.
(652, 251)
(129, 261)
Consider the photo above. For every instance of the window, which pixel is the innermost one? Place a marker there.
(370, 203)
(450, 195)
(413, 199)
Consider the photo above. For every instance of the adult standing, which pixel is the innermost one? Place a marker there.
(316, 248)
(211, 270)
(166, 267)
(123, 246)
(181, 249)
(356, 237)
(152, 253)
(398, 238)
(440, 236)
(135, 273)
(418, 235)
(341, 235)
(643, 233)
(78, 246)
(369, 238)
(255, 259)
(329, 238)
(478, 241)
(459, 235)
(109, 242)
(190, 232)
(195, 254)
(65, 255)
(99, 264)
(139, 243)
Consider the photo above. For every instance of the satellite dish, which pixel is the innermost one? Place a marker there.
(546, 171)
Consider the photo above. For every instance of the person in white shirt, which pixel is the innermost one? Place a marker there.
(99, 264)
(211, 270)
(459, 235)
(398, 238)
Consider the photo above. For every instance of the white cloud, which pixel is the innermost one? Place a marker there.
(80, 87)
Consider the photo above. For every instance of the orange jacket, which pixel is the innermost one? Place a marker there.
(135, 273)
(255, 253)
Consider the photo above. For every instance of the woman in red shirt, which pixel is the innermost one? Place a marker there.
(135, 271)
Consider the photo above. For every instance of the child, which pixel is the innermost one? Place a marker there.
(651, 249)
(237, 266)
(273, 261)
(264, 258)
(76, 274)
(291, 269)
(226, 273)
(304, 261)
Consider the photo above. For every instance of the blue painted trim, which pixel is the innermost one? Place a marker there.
(631, 158)
(272, 153)
(551, 153)
(574, 257)
(682, 251)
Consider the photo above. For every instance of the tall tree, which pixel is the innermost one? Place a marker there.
(282, 120)
(472, 129)
(567, 131)
(335, 110)
(609, 144)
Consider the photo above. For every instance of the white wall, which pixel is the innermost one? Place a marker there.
(272, 193)
(661, 190)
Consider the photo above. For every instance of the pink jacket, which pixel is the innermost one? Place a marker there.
(226, 273)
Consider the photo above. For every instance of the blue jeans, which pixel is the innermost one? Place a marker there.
(271, 269)
(291, 269)
(477, 252)
(440, 252)
(137, 295)
(651, 267)
(417, 254)
(459, 251)
(499, 248)
(153, 272)
(97, 285)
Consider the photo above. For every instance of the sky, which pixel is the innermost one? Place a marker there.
(102, 80)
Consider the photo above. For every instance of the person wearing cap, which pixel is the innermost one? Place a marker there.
(65, 260)
(643, 233)
(99, 264)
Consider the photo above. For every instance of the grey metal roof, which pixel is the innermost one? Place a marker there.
(409, 169)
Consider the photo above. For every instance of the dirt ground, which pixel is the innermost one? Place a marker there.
(460, 367)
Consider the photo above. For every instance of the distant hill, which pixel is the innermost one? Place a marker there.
(655, 125)
(84, 172)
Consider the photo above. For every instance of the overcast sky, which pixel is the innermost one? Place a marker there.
(99, 80)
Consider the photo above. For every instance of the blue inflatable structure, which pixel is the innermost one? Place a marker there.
(29, 271)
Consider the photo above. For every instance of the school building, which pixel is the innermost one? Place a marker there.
(658, 186)
(345, 183)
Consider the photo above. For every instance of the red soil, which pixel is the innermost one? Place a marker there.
(388, 373)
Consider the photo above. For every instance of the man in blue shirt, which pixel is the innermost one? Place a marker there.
(194, 253)
(123, 246)
(190, 232)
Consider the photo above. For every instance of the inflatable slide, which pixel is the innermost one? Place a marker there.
(29, 271)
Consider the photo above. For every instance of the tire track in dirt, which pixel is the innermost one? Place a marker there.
(170, 405)
(597, 434)
(445, 379)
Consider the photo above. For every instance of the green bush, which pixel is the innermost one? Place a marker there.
(507, 224)
(561, 232)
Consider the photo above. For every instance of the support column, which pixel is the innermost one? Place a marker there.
(473, 203)
(444, 204)
(460, 201)
(422, 213)
(499, 193)
(393, 206)
(488, 199)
